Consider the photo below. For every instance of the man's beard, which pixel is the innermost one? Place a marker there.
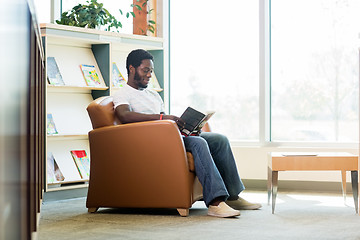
(138, 79)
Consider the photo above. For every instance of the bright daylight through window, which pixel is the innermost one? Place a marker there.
(314, 70)
(214, 65)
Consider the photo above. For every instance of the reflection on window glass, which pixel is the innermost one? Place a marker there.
(214, 63)
(314, 70)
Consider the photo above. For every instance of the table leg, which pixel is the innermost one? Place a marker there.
(269, 184)
(274, 186)
(354, 184)
(343, 181)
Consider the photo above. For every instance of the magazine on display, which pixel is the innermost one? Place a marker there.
(91, 77)
(54, 173)
(82, 163)
(118, 79)
(53, 73)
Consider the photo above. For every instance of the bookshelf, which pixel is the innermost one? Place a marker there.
(71, 47)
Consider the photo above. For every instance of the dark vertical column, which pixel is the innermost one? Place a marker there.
(21, 111)
(159, 68)
(102, 55)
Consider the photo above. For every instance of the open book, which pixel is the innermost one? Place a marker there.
(194, 120)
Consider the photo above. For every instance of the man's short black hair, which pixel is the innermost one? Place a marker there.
(135, 58)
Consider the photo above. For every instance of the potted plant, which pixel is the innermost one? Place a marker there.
(91, 15)
(94, 15)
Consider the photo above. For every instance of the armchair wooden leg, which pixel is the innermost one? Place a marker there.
(184, 212)
(92, 210)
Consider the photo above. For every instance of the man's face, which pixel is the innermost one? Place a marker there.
(143, 73)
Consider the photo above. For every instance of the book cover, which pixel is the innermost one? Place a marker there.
(50, 125)
(154, 83)
(91, 77)
(82, 163)
(117, 78)
(53, 72)
(194, 120)
(54, 173)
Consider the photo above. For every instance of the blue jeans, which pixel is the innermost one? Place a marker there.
(214, 166)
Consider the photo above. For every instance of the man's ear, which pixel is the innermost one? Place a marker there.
(132, 69)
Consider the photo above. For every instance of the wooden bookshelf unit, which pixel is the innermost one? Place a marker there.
(71, 47)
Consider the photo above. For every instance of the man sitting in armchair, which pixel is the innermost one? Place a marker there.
(214, 161)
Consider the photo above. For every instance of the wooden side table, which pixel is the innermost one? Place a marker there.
(327, 161)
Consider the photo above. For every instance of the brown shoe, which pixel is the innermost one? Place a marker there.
(242, 204)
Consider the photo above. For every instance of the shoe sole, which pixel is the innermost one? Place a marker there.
(250, 207)
(225, 215)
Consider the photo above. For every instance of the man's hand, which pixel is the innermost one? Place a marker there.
(179, 121)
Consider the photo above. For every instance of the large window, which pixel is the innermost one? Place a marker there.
(313, 70)
(214, 63)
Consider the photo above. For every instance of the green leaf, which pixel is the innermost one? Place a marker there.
(151, 28)
(152, 22)
(133, 14)
(127, 15)
(138, 7)
(120, 12)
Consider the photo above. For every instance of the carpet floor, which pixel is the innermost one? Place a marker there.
(297, 216)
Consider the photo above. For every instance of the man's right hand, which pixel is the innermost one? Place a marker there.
(179, 121)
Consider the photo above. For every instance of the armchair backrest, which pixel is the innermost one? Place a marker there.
(101, 112)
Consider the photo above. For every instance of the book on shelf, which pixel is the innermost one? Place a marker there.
(194, 120)
(50, 125)
(54, 173)
(154, 83)
(53, 73)
(90, 75)
(82, 163)
(118, 79)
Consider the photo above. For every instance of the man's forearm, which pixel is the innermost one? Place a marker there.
(131, 117)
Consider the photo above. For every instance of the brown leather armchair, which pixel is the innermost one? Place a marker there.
(142, 165)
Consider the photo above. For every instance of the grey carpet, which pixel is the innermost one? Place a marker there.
(297, 216)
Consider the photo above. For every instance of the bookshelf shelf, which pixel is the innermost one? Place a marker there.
(71, 47)
(67, 186)
(75, 89)
(67, 137)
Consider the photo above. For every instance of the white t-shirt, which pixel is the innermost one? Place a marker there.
(142, 101)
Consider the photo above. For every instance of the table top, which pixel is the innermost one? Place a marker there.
(287, 161)
(311, 154)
